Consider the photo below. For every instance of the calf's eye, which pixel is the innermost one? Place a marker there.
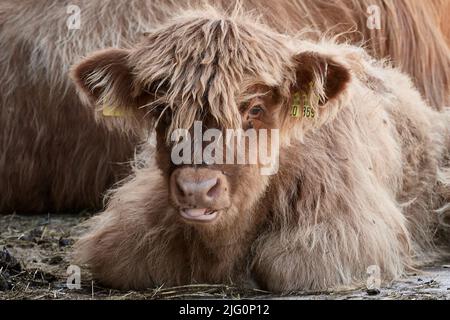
(255, 111)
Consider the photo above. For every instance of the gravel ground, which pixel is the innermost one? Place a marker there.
(34, 260)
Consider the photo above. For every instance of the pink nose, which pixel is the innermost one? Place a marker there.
(199, 188)
(206, 189)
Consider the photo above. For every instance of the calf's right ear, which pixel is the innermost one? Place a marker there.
(105, 79)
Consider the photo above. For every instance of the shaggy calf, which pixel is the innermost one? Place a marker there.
(53, 154)
(364, 175)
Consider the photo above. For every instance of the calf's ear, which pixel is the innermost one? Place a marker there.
(105, 79)
(320, 83)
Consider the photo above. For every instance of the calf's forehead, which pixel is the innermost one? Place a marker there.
(205, 66)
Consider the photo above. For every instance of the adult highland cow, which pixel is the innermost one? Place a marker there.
(364, 171)
(53, 156)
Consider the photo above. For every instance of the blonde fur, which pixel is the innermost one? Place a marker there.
(366, 183)
(54, 156)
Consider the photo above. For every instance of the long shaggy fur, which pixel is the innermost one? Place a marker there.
(53, 156)
(366, 184)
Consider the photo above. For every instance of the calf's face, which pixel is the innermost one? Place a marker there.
(224, 97)
(211, 186)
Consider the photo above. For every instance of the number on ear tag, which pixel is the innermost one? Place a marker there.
(308, 112)
(296, 101)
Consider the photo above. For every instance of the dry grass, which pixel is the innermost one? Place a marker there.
(34, 259)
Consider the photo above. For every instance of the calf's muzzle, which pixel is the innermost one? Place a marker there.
(200, 194)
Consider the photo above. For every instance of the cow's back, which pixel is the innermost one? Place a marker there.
(53, 154)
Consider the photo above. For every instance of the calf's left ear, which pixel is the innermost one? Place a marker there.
(319, 81)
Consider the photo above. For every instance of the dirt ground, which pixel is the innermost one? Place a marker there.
(34, 257)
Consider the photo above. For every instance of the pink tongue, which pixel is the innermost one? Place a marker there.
(195, 212)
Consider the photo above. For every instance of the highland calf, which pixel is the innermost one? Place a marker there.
(53, 154)
(364, 175)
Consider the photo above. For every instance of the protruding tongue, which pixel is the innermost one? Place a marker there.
(195, 212)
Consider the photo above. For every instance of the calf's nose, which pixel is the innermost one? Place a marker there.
(205, 189)
(198, 188)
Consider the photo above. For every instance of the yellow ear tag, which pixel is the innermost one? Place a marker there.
(308, 111)
(296, 105)
(109, 111)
